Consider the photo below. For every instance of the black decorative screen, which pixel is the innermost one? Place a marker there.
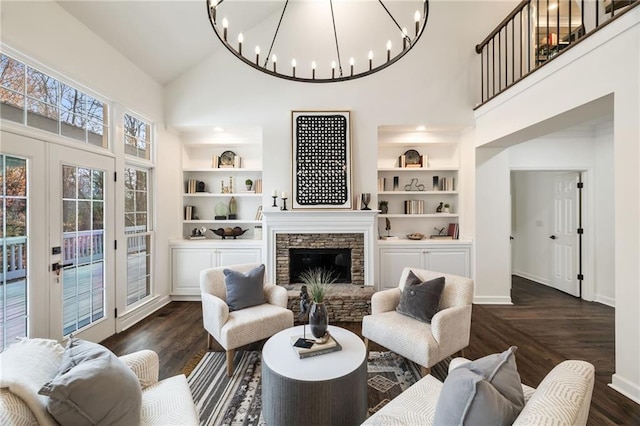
(321, 160)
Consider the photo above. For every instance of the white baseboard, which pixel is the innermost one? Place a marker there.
(185, 298)
(606, 300)
(531, 277)
(626, 388)
(131, 318)
(492, 300)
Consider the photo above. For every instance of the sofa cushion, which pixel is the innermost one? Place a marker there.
(484, 391)
(419, 299)
(23, 380)
(244, 289)
(93, 387)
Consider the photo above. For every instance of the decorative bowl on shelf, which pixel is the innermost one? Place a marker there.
(415, 236)
(229, 232)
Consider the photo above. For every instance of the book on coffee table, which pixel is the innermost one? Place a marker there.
(329, 346)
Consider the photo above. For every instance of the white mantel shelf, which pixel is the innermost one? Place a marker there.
(321, 222)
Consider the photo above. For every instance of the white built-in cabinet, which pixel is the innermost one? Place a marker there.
(188, 258)
(451, 257)
(221, 183)
(439, 157)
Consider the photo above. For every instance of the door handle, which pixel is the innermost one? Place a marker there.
(56, 267)
(553, 237)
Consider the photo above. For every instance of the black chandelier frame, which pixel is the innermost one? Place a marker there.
(408, 44)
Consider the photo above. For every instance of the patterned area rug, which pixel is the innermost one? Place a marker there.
(236, 400)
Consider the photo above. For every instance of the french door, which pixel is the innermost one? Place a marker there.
(565, 237)
(57, 258)
(81, 244)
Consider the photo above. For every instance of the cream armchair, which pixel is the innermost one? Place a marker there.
(238, 328)
(423, 343)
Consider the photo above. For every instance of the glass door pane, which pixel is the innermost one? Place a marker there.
(13, 249)
(83, 247)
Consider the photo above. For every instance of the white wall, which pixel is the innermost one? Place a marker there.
(46, 33)
(571, 88)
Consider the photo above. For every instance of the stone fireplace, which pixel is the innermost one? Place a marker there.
(341, 253)
(326, 230)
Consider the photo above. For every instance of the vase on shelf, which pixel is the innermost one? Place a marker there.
(233, 208)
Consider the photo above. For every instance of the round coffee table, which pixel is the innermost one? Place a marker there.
(327, 389)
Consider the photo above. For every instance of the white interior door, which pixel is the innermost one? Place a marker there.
(564, 239)
(81, 236)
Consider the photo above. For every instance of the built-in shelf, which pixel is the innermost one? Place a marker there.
(223, 170)
(211, 194)
(415, 216)
(229, 221)
(417, 192)
(419, 169)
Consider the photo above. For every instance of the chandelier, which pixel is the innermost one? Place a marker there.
(318, 41)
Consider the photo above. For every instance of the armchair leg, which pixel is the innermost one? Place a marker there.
(209, 341)
(230, 355)
(424, 371)
(366, 345)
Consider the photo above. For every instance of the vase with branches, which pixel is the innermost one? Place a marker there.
(318, 282)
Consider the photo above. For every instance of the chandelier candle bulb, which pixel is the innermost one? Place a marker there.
(293, 65)
(333, 69)
(352, 63)
(274, 59)
(388, 50)
(313, 69)
(240, 40)
(225, 27)
(417, 18)
(370, 59)
(257, 55)
(404, 38)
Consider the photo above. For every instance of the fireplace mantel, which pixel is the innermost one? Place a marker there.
(320, 222)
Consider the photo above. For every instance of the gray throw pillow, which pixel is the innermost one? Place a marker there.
(420, 300)
(486, 391)
(244, 289)
(93, 387)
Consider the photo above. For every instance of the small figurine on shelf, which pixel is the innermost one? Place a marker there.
(248, 183)
(439, 208)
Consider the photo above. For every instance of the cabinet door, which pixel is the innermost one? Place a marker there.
(227, 257)
(393, 261)
(187, 264)
(454, 262)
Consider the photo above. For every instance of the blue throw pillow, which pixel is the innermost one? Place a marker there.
(244, 289)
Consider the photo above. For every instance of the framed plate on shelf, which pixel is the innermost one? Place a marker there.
(227, 158)
(412, 157)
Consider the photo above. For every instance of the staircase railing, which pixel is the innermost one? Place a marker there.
(536, 32)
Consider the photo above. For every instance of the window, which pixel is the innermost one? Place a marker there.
(13, 249)
(137, 217)
(137, 138)
(33, 98)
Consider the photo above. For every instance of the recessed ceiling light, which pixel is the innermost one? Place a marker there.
(421, 128)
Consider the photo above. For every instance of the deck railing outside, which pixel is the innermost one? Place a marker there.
(536, 32)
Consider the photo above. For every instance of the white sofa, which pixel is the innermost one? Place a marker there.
(563, 398)
(166, 402)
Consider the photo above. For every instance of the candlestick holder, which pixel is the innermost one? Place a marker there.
(275, 197)
(284, 204)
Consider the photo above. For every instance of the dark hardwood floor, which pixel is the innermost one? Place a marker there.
(548, 327)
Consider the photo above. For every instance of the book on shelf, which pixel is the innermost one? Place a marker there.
(389, 237)
(414, 207)
(453, 231)
(316, 349)
(257, 186)
(215, 161)
(189, 212)
(382, 182)
(402, 161)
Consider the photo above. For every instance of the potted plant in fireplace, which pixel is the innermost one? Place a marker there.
(318, 281)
